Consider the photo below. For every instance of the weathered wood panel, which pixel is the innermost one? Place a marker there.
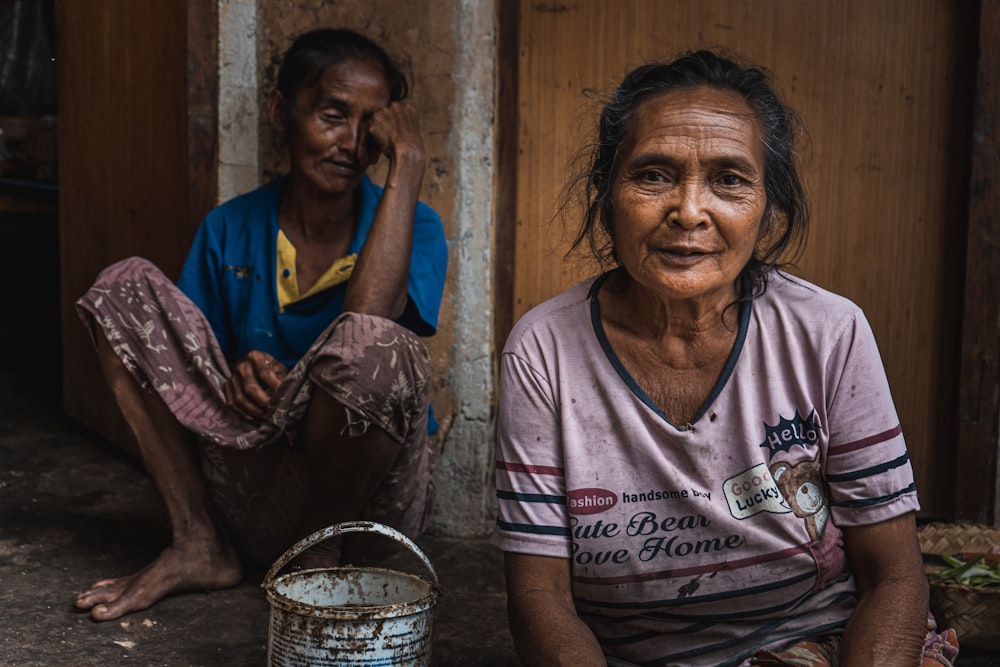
(975, 488)
(124, 137)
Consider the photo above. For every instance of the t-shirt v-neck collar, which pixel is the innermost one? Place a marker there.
(616, 362)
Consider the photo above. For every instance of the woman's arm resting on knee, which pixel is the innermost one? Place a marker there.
(543, 621)
(888, 626)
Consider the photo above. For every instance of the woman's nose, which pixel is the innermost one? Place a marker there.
(688, 211)
(351, 138)
(359, 142)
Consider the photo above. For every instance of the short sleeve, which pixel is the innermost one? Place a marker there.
(530, 476)
(868, 468)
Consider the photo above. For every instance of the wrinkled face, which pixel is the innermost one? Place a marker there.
(327, 125)
(688, 201)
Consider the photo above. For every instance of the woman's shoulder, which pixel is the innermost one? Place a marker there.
(559, 316)
(792, 293)
(804, 325)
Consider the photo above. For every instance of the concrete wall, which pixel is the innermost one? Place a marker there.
(451, 47)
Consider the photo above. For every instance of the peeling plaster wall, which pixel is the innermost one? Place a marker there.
(450, 45)
(238, 109)
(465, 472)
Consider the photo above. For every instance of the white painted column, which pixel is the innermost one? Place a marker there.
(464, 475)
(238, 169)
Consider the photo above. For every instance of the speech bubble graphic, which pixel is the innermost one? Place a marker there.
(753, 491)
(799, 430)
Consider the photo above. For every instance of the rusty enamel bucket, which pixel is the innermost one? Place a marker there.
(350, 616)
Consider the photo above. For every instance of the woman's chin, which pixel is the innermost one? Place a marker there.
(334, 183)
(690, 288)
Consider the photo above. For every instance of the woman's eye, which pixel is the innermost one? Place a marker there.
(332, 116)
(652, 177)
(730, 180)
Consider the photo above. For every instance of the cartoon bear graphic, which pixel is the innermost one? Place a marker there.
(802, 487)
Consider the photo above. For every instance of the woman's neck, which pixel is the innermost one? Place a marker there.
(675, 350)
(653, 317)
(313, 214)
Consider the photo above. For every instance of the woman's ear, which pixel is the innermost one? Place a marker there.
(276, 110)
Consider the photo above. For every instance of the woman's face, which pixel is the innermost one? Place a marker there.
(688, 201)
(327, 125)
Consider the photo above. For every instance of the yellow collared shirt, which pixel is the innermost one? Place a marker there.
(288, 284)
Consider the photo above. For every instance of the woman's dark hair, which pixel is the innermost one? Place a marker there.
(312, 52)
(787, 212)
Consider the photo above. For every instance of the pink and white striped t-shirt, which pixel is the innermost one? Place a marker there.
(694, 544)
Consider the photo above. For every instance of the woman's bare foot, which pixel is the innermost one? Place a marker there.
(178, 569)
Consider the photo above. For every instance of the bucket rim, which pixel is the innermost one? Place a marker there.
(359, 612)
(340, 529)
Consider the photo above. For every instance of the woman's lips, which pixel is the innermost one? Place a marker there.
(343, 168)
(684, 254)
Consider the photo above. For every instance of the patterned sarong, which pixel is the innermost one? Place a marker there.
(378, 370)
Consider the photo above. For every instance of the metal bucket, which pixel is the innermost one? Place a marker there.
(350, 616)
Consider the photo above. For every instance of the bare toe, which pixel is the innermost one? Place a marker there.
(116, 608)
(101, 592)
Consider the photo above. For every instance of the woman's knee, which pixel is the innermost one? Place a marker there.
(374, 352)
(378, 370)
(134, 268)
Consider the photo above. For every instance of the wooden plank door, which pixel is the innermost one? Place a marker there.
(977, 487)
(136, 158)
(884, 89)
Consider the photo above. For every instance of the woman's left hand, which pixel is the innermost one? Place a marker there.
(255, 377)
(395, 130)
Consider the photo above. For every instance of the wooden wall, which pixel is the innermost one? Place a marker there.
(885, 92)
(977, 487)
(136, 158)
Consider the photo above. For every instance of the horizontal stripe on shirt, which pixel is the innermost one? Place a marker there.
(866, 502)
(532, 497)
(699, 599)
(694, 570)
(847, 447)
(870, 472)
(510, 466)
(530, 529)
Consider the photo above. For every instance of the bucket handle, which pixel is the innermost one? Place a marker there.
(340, 529)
